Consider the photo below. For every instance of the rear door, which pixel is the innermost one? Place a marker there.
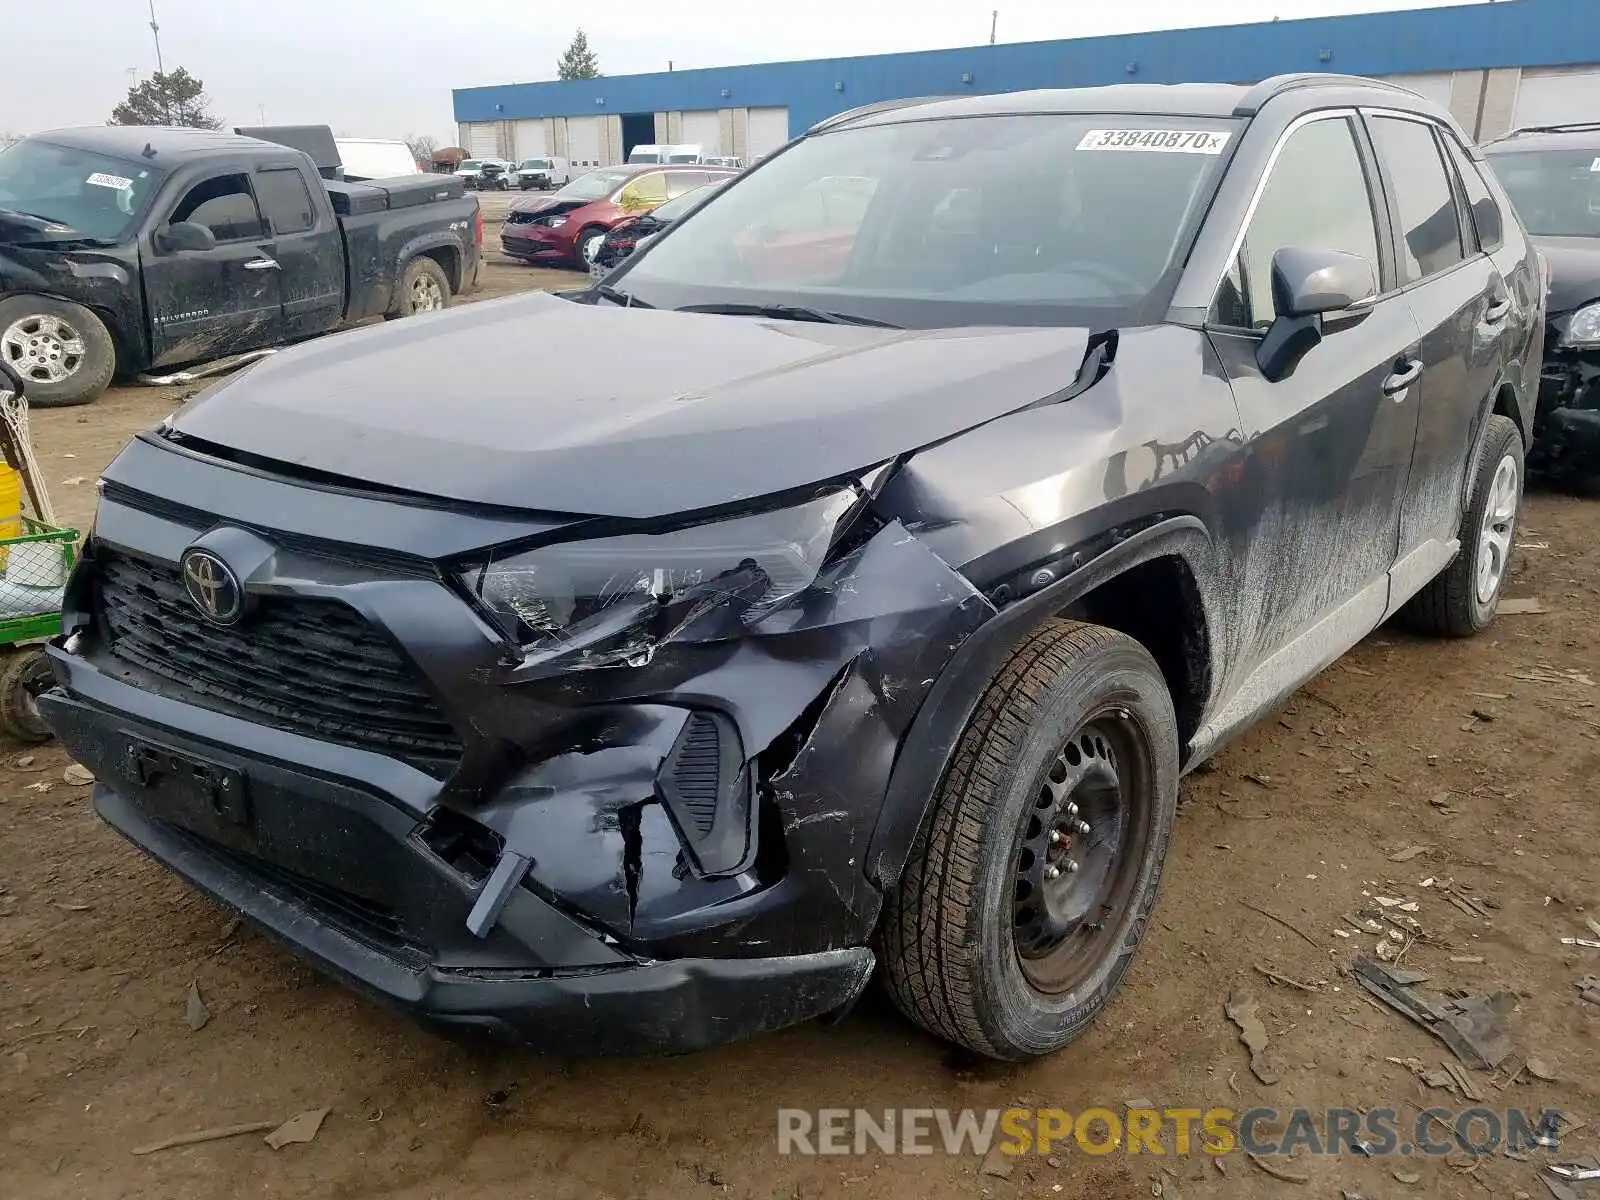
(212, 303)
(1462, 305)
(308, 248)
(1329, 446)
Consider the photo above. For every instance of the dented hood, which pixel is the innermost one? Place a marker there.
(539, 403)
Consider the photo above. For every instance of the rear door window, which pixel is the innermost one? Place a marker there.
(285, 202)
(1424, 201)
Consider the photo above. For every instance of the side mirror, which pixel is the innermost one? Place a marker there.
(1308, 285)
(183, 236)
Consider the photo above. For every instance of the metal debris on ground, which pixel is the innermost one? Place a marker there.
(1576, 1172)
(1474, 1027)
(1591, 943)
(301, 1127)
(1277, 1172)
(1589, 989)
(214, 1134)
(195, 1012)
(1241, 1010)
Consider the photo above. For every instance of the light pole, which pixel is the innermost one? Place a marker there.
(155, 32)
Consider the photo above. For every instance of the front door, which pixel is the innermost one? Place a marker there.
(207, 304)
(1462, 305)
(309, 252)
(1328, 447)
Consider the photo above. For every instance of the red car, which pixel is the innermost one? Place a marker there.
(567, 227)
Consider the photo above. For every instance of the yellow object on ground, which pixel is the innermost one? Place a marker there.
(10, 506)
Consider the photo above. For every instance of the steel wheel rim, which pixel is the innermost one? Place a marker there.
(1079, 855)
(42, 348)
(425, 294)
(591, 248)
(1498, 528)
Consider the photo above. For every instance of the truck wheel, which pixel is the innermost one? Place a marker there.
(1462, 599)
(424, 287)
(25, 676)
(1030, 885)
(62, 351)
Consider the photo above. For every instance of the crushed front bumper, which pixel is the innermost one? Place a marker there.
(1566, 444)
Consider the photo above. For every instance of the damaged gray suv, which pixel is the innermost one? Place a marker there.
(871, 557)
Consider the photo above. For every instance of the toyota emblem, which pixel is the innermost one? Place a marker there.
(213, 587)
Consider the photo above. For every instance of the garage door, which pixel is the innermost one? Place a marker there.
(530, 139)
(1556, 96)
(1435, 87)
(703, 129)
(481, 140)
(583, 141)
(768, 129)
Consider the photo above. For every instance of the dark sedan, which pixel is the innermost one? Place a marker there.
(631, 232)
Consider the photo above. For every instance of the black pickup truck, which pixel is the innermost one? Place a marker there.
(127, 249)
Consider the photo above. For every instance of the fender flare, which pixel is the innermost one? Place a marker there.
(420, 245)
(929, 744)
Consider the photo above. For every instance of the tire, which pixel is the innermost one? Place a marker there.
(965, 941)
(587, 246)
(24, 676)
(1462, 599)
(424, 287)
(62, 351)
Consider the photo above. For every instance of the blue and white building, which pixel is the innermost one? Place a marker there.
(1497, 65)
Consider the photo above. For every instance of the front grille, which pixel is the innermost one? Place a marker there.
(306, 665)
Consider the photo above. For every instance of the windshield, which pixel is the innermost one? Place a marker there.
(470, 164)
(95, 195)
(596, 185)
(1034, 219)
(535, 164)
(683, 158)
(1556, 192)
(685, 204)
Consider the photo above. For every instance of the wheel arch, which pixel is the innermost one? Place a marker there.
(1134, 587)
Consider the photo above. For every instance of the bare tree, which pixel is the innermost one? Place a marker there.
(422, 147)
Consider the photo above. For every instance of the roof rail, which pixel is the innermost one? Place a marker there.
(867, 110)
(1254, 100)
(1569, 127)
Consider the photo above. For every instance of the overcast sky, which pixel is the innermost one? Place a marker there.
(384, 68)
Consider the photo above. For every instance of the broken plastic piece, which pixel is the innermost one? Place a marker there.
(497, 891)
(1474, 1027)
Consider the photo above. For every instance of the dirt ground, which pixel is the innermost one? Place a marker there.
(1485, 753)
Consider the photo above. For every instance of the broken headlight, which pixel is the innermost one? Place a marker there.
(1583, 327)
(612, 601)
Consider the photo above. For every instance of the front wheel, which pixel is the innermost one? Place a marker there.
(424, 287)
(1461, 600)
(1031, 882)
(589, 242)
(25, 676)
(62, 351)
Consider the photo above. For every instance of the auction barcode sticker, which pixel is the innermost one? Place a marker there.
(99, 179)
(1157, 141)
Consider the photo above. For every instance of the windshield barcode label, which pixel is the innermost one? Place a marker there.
(110, 181)
(1156, 141)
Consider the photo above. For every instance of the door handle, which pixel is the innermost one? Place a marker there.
(1402, 379)
(261, 264)
(1497, 310)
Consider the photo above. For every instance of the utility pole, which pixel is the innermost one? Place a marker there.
(161, 70)
(262, 109)
(994, 21)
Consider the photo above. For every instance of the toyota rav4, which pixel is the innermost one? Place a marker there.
(865, 614)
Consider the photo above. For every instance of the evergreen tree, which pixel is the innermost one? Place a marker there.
(176, 98)
(579, 62)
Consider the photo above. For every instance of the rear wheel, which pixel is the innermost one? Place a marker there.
(1462, 599)
(24, 677)
(1030, 885)
(62, 351)
(424, 287)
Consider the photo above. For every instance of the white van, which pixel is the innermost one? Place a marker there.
(686, 153)
(648, 154)
(544, 173)
(375, 158)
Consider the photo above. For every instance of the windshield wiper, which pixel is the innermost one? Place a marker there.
(787, 312)
(626, 299)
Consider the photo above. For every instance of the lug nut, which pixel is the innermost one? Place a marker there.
(1070, 866)
(1082, 827)
(1072, 810)
(1055, 837)
(1053, 872)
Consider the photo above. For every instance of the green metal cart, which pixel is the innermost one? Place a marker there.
(37, 563)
